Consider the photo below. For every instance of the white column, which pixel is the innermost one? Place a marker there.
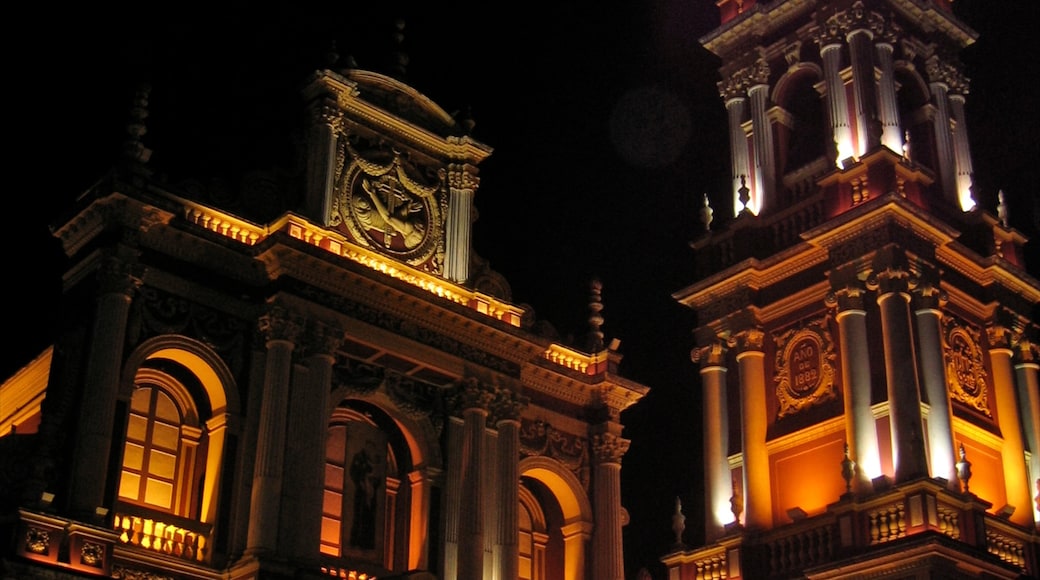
(326, 119)
(608, 562)
(734, 94)
(474, 400)
(758, 501)
(891, 132)
(453, 495)
(765, 166)
(462, 187)
(97, 412)
(938, 73)
(941, 452)
(904, 399)
(281, 332)
(962, 152)
(830, 52)
(861, 57)
(860, 427)
(1026, 370)
(507, 544)
(718, 481)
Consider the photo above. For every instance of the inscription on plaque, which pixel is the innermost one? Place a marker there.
(804, 370)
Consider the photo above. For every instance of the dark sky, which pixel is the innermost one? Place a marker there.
(606, 127)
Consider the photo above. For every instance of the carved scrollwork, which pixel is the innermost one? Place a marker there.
(965, 372)
(804, 367)
(540, 438)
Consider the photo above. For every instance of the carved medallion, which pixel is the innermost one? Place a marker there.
(383, 204)
(965, 373)
(804, 369)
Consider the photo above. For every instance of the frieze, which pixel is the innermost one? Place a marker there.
(398, 325)
(965, 372)
(539, 438)
(804, 367)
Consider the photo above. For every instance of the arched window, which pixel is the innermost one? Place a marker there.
(158, 451)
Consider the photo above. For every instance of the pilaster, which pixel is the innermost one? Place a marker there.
(717, 476)
(758, 509)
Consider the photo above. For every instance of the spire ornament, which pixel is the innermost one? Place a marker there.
(963, 468)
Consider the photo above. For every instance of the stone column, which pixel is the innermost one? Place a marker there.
(904, 399)
(861, 56)
(860, 427)
(734, 93)
(1016, 480)
(473, 401)
(462, 187)
(322, 158)
(891, 131)
(765, 166)
(961, 149)
(830, 51)
(280, 330)
(608, 562)
(118, 281)
(938, 74)
(758, 502)
(1027, 367)
(928, 301)
(452, 495)
(718, 481)
(308, 429)
(507, 538)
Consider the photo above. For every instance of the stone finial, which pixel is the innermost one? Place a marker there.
(595, 341)
(706, 214)
(678, 523)
(1002, 209)
(848, 470)
(963, 468)
(400, 62)
(134, 152)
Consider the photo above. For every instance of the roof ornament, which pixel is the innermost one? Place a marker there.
(1002, 209)
(706, 214)
(135, 154)
(400, 62)
(595, 316)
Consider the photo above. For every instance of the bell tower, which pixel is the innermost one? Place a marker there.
(864, 335)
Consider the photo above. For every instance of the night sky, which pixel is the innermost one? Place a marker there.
(606, 126)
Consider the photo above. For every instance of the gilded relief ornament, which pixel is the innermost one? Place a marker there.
(804, 368)
(382, 204)
(965, 372)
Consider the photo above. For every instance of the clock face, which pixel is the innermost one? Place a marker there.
(381, 212)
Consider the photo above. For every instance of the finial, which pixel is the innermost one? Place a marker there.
(332, 55)
(744, 194)
(595, 318)
(1002, 210)
(963, 468)
(736, 501)
(848, 470)
(465, 120)
(400, 65)
(706, 214)
(678, 523)
(906, 145)
(134, 151)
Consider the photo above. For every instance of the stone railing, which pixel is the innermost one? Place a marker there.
(163, 533)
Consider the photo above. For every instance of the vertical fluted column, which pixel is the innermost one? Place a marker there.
(904, 399)
(453, 495)
(758, 508)
(830, 53)
(734, 92)
(961, 148)
(473, 402)
(860, 428)
(326, 120)
(942, 456)
(308, 429)
(861, 56)
(938, 74)
(717, 476)
(117, 283)
(765, 166)
(507, 541)
(891, 132)
(1027, 368)
(280, 331)
(608, 562)
(1016, 481)
(491, 499)
(462, 187)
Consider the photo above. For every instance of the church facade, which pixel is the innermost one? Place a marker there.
(343, 390)
(866, 332)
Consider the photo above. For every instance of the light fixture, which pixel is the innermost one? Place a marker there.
(848, 162)
(46, 499)
(1006, 511)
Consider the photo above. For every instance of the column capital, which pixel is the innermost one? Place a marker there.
(891, 279)
(848, 297)
(321, 338)
(470, 393)
(748, 340)
(462, 176)
(1026, 351)
(999, 336)
(711, 355)
(929, 296)
(507, 406)
(608, 447)
(326, 112)
(279, 323)
(118, 276)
